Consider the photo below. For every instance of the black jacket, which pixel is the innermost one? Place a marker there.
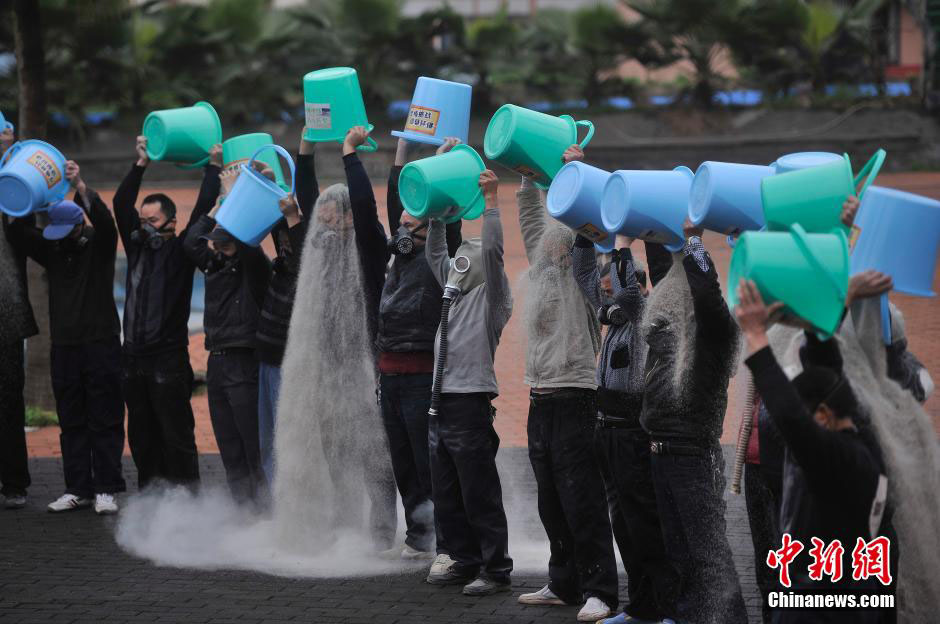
(700, 411)
(159, 281)
(18, 320)
(234, 290)
(81, 276)
(410, 307)
(271, 337)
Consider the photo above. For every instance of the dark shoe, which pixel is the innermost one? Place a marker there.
(485, 587)
(15, 501)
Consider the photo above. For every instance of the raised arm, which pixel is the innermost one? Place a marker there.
(435, 250)
(498, 293)
(369, 232)
(91, 204)
(210, 188)
(307, 187)
(197, 247)
(658, 261)
(257, 269)
(623, 282)
(713, 319)
(532, 217)
(586, 273)
(125, 198)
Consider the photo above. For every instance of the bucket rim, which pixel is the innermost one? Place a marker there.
(340, 70)
(413, 167)
(215, 118)
(623, 178)
(494, 154)
(417, 137)
(551, 205)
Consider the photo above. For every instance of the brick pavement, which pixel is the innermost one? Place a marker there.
(922, 315)
(67, 568)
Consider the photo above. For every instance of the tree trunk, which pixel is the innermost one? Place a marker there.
(31, 80)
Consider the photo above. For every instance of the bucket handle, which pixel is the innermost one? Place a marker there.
(283, 152)
(587, 124)
(871, 169)
(799, 236)
(10, 151)
(369, 146)
(9, 126)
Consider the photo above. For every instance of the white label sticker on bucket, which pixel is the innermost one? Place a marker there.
(318, 116)
(423, 120)
(45, 165)
(592, 233)
(229, 166)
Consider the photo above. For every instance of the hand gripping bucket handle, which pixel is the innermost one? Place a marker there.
(871, 169)
(369, 146)
(283, 152)
(799, 237)
(587, 124)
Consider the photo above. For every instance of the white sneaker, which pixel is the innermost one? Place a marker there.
(593, 610)
(413, 554)
(68, 502)
(105, 505)
(442, 563)
(544, 596)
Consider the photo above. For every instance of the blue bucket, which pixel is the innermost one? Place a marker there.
(649, 205)
(726, 197)
(439, 109)
(251, 209)
(803, 160)
(574, 198)
(32, 177)
(898, 233)
(6, 125)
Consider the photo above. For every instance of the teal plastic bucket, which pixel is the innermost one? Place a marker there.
(238, 151)
(333, 104)
(32, 177)
(574, 198)
(5, 124)
(439, 109)
(649, 205)
(444, 186)
(813, 197)
(803, 160)
(809, 273)
(725, 197)
(532, 143)
(898, 233)
(251, 209)
(183, 135)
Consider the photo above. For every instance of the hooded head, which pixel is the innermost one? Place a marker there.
(466, 267)
(334, 210)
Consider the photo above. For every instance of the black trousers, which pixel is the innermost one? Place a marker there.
(689, 493)
(86, 381)
(762, 516)
(160, 424)
(652, 581)
(232, 380)
(571, 496)
(468, 498)
(14, 470)
(405, 400)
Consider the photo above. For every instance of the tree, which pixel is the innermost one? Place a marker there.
(492, 50)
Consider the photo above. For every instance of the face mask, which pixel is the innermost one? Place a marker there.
(76, 245)
(406, 241)
(149, 235)
(466, 267)
(218, 261)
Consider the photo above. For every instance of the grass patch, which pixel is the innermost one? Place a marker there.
(36, 417)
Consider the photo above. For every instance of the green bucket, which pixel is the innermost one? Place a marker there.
(813, 197)
(530, 142)
(333, 104)
(809, 273)
(239, 149)
(183, 135)
(445, 186)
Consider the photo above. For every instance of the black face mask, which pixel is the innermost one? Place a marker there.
(77, 245)
(404, 241)
(149, 235)
(218, 261)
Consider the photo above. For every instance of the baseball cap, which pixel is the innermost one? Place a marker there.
(62, 218)
(219, 235)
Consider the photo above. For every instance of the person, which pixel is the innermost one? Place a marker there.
(466, 489)
(407, 321)
(18, 325)
(236, 278)
(692, 342)
(835, 483)
(271, 337)
(157, 376)
(563, 340)
(86, 347)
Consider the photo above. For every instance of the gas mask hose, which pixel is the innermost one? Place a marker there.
(450, 293)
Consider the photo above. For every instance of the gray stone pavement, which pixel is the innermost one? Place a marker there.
(68, 568)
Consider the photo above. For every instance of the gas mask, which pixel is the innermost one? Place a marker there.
(77, 245)
(612, 314)
(218, 261)
(466, 268)
(405, 241)
(149, 235)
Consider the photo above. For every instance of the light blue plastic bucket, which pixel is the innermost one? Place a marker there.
(803, 160)
(439, 109)
(574, 198)
(251, 209)
(726, 197)
(32, 177)
(649, 205)
(898, 233)
(4, 123)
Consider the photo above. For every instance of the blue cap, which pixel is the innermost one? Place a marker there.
(62, 218)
